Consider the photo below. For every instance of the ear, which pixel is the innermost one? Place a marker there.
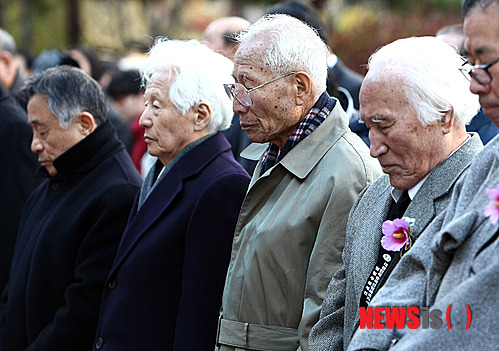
(303, 87)
(6, 57)
(86, 123)
(447, 121)
(202, 114)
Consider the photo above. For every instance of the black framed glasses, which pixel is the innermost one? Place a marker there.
(479, 72)
(242, 95)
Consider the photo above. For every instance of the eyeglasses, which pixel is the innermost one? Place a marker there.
(479, 72)
(242, 95)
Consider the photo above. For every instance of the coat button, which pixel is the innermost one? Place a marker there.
(55, 186)
(112, 284)
(98, 343)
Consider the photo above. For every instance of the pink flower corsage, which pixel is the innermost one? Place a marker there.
(492, 209)
(397, 234)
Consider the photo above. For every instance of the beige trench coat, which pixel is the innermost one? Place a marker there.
(289, 238)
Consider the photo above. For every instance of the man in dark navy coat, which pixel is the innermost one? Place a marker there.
(164, 290)
(72, 224)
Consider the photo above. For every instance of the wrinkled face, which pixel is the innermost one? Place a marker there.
(273, 115)
(482, 43)
(50, 140)
(406, 150)
(167, 131)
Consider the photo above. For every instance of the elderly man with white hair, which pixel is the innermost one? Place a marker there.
(453, 268)
(291, 229)
(416, 104)
(164, 289)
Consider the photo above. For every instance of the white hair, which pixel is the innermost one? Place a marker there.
(291, 45)
(197, 74)
(431, 79)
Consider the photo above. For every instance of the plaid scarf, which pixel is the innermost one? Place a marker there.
(312, 120)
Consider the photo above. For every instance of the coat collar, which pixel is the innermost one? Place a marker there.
(440, 182)
(302, 159)
(86, 154)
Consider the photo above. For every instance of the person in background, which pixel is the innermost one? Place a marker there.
(127, 97)
(165, 287)
(454, 35)
(72, 223)
(454, 266)
(11, 77)
(311, 168)
(416, 104)
(342, 82)
(18, 175)
(219, 36)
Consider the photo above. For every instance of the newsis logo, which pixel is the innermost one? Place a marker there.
(412, 317)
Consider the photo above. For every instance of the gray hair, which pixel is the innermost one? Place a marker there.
(197, 74)
(431, 79)
(291, 45)
(7, 42)
(69, 91)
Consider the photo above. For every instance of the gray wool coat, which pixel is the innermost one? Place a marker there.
(454, 263)
(340, 309)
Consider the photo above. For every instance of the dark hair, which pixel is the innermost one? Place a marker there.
(124, 83)
(51, 58)
(69, 91)
(305, 12)
(468, 5)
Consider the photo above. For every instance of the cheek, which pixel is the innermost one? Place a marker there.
(495, 88)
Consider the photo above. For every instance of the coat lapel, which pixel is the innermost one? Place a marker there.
(168, 188)
(366, 249)
(434, 195)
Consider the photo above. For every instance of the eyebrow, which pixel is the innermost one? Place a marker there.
(35, 122)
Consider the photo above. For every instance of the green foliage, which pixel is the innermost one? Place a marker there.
(424, 6)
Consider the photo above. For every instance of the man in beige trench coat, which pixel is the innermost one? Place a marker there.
(291, 229)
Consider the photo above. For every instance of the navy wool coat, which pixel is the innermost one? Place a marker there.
(164, 291)
(70, 230)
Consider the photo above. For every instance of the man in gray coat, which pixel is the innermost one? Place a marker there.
(453, 268)
(416, 103)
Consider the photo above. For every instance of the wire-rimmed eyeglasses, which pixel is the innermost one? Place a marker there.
(479, 72)
(242, 95)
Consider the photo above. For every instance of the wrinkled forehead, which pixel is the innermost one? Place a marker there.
(250, 60)
(251, 50)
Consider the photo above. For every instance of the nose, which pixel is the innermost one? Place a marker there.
(36, 145)
(478, 88)
(145, 120)
(378, 147)
(239, 108)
